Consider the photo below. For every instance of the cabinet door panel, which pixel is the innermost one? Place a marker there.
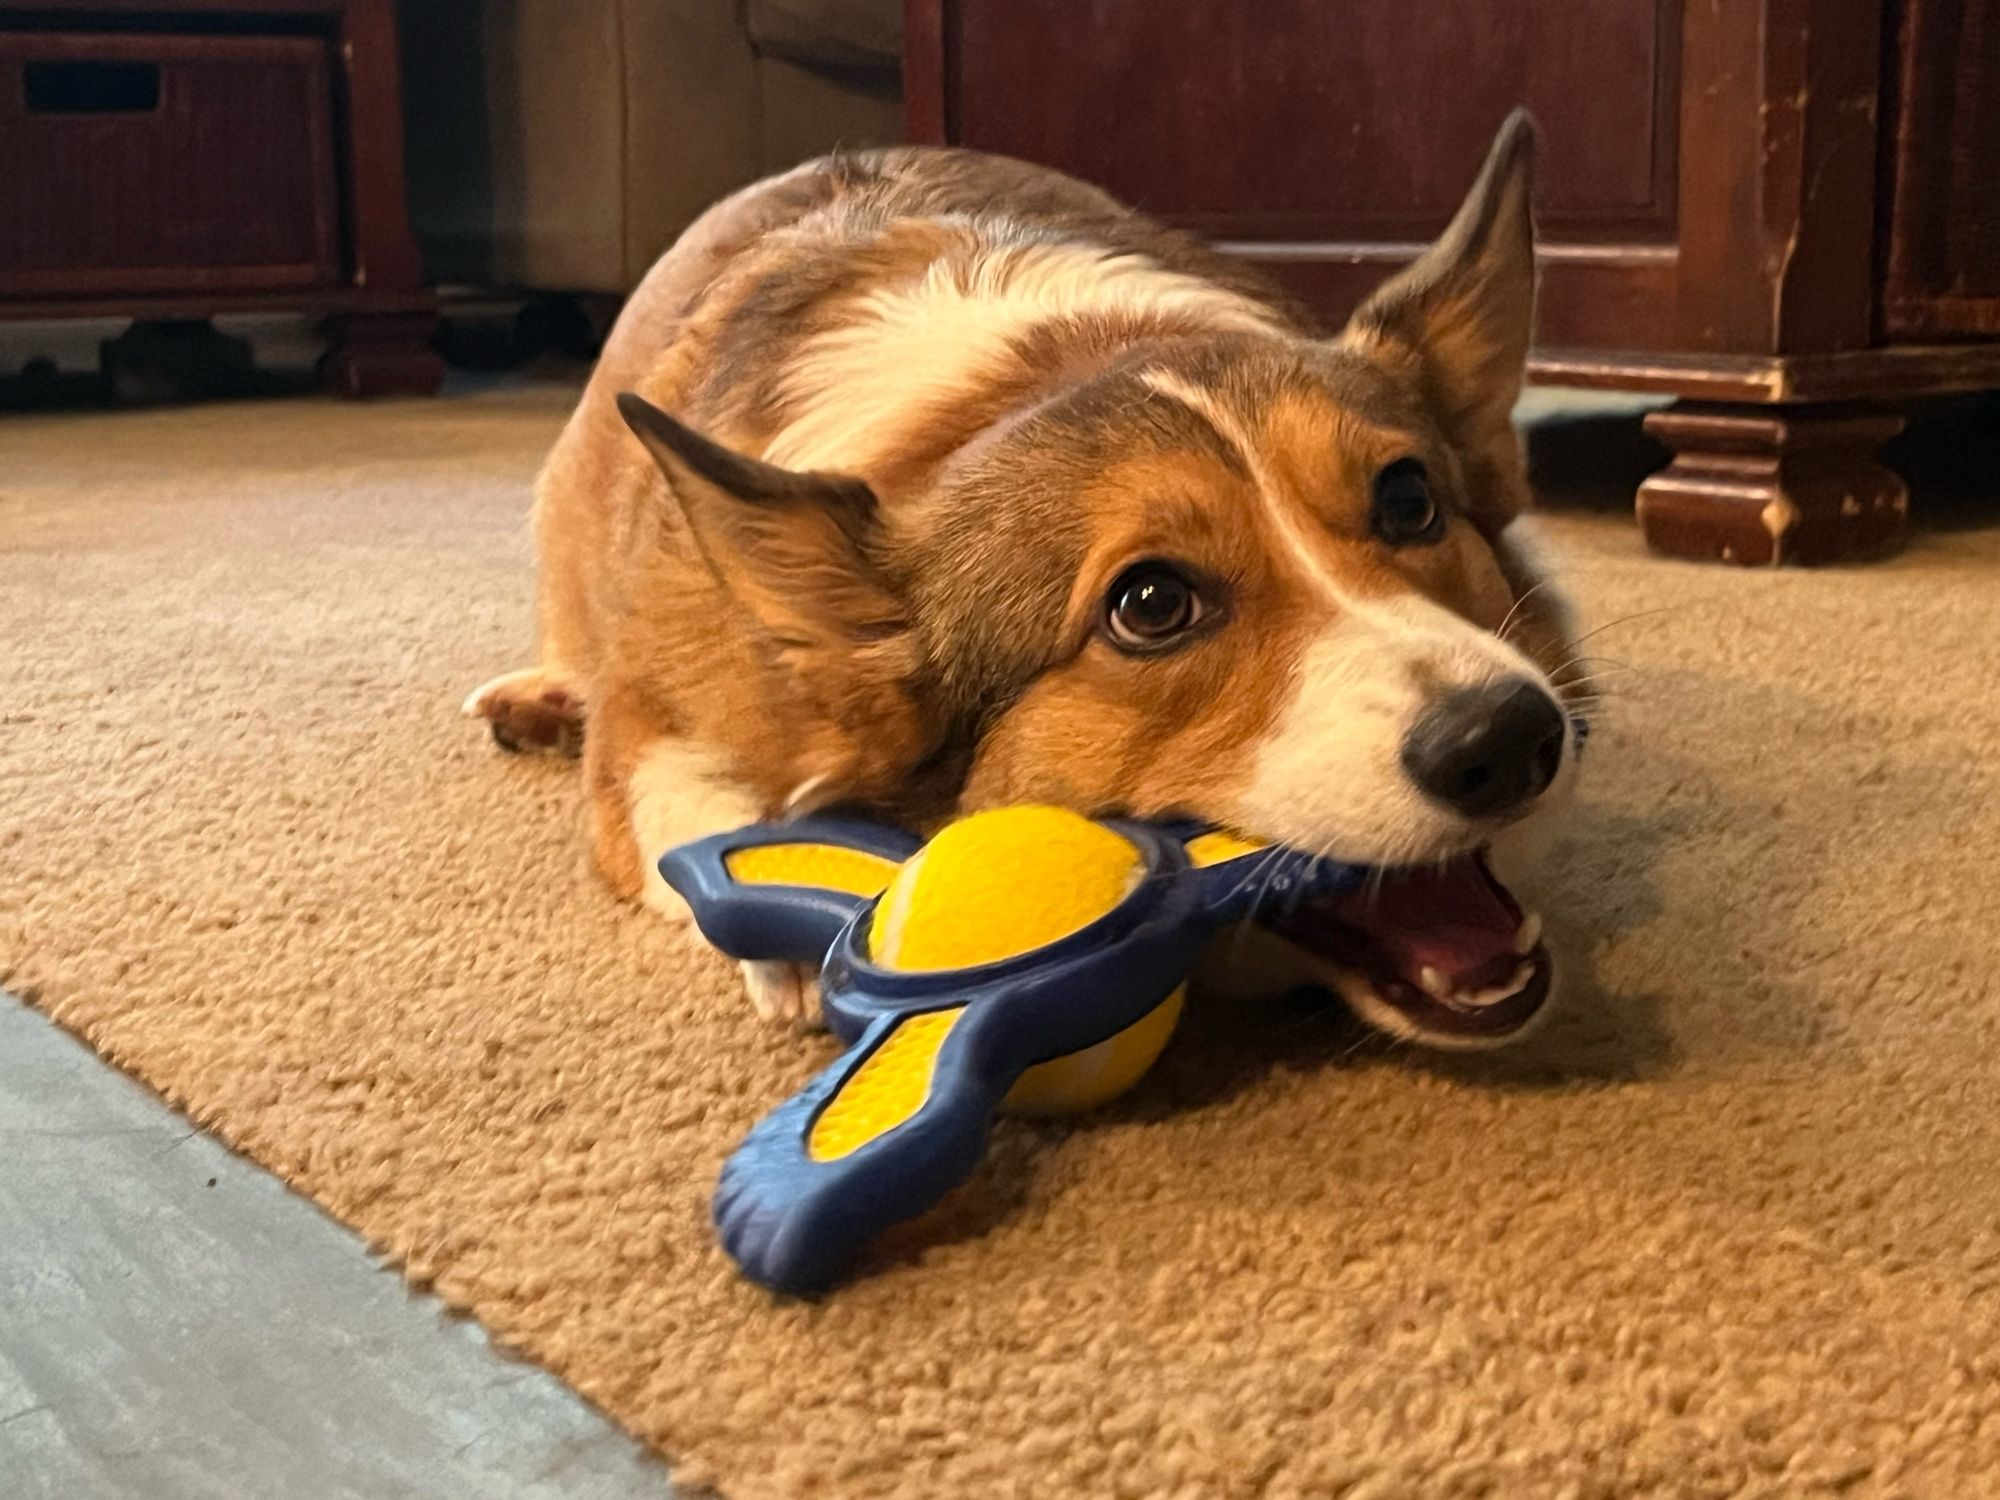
(1299, 119)
(1944, 223)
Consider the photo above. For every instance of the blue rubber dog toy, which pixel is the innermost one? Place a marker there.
(1027, 958)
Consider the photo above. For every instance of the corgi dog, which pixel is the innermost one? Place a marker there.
(920, 481)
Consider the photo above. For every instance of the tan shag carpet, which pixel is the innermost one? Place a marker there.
(1731, 1228)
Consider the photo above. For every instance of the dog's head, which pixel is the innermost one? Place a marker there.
(1254, 579)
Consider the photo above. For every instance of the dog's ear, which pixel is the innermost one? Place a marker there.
(1463, 313)
(801, 552)
(801, 547)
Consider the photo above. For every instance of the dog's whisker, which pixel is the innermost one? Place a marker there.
(1585, 704)
(1591, 669)
(1258, 862)
(1273, 867)
(1582, 659)
(1587, 679)
(1595, 663)
(1622, 620)
(1588, 671)
(1271, 863)
(1258, 885)
(1297, 895)
(1267, 864)
(1539, 585)
(1371, 888)
(1580, 682)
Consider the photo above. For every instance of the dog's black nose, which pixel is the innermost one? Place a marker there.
(1487, 751)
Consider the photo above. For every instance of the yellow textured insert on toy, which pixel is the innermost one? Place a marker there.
(826, 867)
(888, 1088)
(998, 884)
(1219, 847)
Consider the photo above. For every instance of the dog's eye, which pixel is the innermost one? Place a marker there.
(1150, 605)
(1404, 512)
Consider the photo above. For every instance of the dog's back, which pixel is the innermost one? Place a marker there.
(863, 313)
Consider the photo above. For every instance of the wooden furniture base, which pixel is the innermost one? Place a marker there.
(1775, 455)
(381, 354)
(1766, 485)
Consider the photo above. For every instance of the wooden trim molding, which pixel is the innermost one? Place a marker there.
(1899, 370)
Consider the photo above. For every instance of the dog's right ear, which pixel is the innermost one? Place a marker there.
(798, 547)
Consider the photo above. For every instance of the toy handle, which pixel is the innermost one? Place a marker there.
(789, 923)
(784, 890)
(879, 1137)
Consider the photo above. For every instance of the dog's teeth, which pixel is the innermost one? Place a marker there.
(1530, 933)
(1496, 993)
(1439, 988)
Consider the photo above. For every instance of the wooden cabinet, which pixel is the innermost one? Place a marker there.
(1778, 210)
(169, 160)
(161, 163)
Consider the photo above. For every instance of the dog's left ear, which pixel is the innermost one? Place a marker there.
(801, 552)
(1464, 311)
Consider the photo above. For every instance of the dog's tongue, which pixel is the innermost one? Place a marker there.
(1455, 919)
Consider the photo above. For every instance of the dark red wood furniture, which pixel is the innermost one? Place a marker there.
(173, 160)
(1782, 211)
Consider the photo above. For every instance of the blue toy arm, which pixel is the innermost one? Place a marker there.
(784, 890)
(802, 1196)
(904, 1115)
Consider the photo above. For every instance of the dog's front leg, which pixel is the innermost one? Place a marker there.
(536, 709)
(651, 791)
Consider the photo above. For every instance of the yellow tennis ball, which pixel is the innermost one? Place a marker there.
(1000, 883)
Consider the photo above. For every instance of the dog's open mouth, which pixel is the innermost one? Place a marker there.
(1447, 947)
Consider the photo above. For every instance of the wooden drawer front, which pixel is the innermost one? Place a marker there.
(165, 163)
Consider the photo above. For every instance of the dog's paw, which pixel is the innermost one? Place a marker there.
(531, 711)
(783, 994)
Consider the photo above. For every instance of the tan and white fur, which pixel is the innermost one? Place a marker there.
(904, 418)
